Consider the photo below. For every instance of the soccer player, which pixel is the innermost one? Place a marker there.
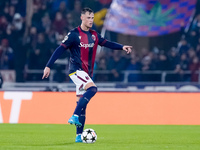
(82, 43)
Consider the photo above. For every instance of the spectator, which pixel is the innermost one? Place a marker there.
(183, 46)
(31, 40)
(193, 38)
(59, 23)
(70, 22)
(63, 8)
(184, 63)
(183, 66)
(116, 65)
(46, 23)
(39, 56)
(134, 66)
(194, 67)
(163, 63)
(43, 50)
(173, 58)
(191, 54)
(11, 13)
(178, 74)
(148, 65)
(36, 18)
(15, 33)
(3, 27)
(6, 55)
(76, 13)
(101, 66)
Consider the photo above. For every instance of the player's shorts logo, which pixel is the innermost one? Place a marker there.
(87, 77)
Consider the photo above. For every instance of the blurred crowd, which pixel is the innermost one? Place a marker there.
(182, 61)
(25, 48)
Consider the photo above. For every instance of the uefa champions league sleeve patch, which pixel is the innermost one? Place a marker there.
(65, 38)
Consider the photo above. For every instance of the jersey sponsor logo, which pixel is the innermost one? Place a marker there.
(86, 45)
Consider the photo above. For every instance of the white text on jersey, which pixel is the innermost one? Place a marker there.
(86, 45)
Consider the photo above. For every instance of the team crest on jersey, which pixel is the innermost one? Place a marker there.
(93, 37)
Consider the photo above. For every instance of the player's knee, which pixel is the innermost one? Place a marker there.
(93, 90)
(88, 85)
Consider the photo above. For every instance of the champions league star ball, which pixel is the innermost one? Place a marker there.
(89, 136)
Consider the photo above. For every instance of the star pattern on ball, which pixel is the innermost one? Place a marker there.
(89, 131)
(89, 136)
(93, 139)
(85, 138)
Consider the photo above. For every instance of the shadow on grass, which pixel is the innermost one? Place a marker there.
(54, 144)
(44, 145)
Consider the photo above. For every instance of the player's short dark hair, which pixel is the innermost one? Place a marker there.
(87, 9)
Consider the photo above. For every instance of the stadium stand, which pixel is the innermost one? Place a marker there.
(26, 48)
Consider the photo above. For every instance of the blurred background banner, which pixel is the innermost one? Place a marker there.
(149, 17)
(137, 108)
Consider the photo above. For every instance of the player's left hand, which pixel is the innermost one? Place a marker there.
(128, 49)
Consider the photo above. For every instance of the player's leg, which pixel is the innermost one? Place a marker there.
(79, 129)
(83, 83)
(91, 90)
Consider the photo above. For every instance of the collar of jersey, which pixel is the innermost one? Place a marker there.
(83, 30)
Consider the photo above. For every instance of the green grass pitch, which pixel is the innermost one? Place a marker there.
(110, 137)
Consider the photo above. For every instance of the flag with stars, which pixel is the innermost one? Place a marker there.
(148, 17)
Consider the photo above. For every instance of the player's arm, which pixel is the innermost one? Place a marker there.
(114, 45)
(66, 43)
(57, 53)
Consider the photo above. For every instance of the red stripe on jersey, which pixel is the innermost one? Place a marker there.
(94, 49)
(84, 50)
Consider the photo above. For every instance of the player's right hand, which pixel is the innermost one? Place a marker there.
(127, 48)
(46, 72)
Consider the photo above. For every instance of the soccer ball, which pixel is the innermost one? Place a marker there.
(89, 136)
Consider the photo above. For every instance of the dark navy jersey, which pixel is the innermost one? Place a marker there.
(83, 47)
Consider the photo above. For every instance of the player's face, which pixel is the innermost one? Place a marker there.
(87, 19)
